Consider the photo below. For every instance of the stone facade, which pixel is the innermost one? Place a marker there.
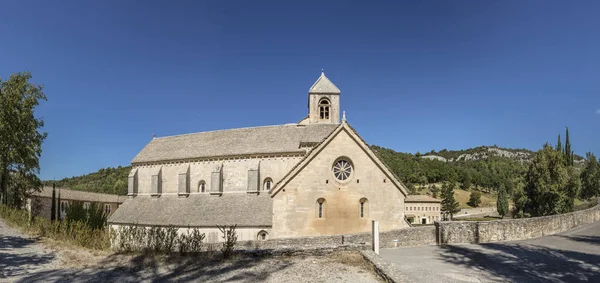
(422, 209)
(267, 180)
(234, 174)
(295, 206)
(42, 201)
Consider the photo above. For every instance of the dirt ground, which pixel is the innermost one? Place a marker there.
(23, 259)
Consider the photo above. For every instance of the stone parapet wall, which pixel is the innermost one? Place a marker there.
(513, 229)
(405, 237)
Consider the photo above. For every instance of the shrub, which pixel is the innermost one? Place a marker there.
(474, 199)
(74, 232)
(156, 239)
(230, 239)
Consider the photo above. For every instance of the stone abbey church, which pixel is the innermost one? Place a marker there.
(314, 177)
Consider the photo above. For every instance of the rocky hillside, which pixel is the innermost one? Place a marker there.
(483, 152)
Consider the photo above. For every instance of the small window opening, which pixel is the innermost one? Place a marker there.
(262, 235)
(267, 184)
(363, 207)
(324, 109)
(321, 210)
(202, 187)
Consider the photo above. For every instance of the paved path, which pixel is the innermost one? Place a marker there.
(20, 255)
(572, 256)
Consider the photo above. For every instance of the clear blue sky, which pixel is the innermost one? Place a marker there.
(414, 75)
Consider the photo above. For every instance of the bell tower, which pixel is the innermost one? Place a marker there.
(323, 102)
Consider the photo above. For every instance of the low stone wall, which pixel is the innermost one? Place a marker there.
(469, 212)
(414, 236)
(514, 229)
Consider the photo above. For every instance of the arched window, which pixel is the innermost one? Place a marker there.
(262, 235)
(202, 187)
(321, 208)
(267, 184)
(324, 109)
(364, 207)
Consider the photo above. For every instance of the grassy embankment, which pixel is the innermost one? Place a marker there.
(75, 233)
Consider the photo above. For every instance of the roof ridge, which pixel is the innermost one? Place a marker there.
(231, 129)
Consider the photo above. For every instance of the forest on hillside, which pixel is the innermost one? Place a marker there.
(484, 174)
(106, 180)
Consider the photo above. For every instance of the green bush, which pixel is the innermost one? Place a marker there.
(73, 232)
(156, 239)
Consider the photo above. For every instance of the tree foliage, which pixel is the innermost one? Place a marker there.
(474, 199)
(485, 174)
(20, 138)
(550, 185)
(449, 204)
(590, 177)
(502, 201)
(106, 180)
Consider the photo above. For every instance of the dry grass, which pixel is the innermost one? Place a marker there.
(73, 255)
(463, 197)
(352, 258)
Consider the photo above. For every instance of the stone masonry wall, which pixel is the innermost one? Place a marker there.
(513, 229)
(415, 236)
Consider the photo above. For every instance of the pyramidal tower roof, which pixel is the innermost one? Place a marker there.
(324, 85)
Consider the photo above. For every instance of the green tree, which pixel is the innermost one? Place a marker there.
(434, 191)
(559, 147)
(53, 205)
(120, 187)
(590, 178)
(59, 205)
(466, 180)
(550, 186)
(449, 204)
(474, 199)
(502, 201)
(568, 151)
(20, 137)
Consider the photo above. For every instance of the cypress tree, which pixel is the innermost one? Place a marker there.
(559, 145)
(53, 206)
(59, 206)
(567, 147)
(502, 202)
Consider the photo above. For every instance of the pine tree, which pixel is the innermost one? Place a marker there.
(449, 204)
(53, 206)
(559, 145)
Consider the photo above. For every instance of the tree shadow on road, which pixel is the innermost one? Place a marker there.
(174, 268)
(525, 263)
(585, 239)
(14, 262)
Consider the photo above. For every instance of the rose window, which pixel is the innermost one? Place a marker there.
(342, 169)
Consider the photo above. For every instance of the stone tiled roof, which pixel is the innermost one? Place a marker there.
(68, 194)
(234, 142)
(197, 210)
(324, 85)
(420, 198)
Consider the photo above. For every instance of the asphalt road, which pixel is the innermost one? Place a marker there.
(572, 256)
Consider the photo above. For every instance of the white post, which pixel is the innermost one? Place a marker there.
(375, 236)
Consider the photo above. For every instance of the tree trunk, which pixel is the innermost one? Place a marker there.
(3, 184)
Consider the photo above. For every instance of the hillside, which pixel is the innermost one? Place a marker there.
(481, 152)
(106, 180)
(484, 168)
